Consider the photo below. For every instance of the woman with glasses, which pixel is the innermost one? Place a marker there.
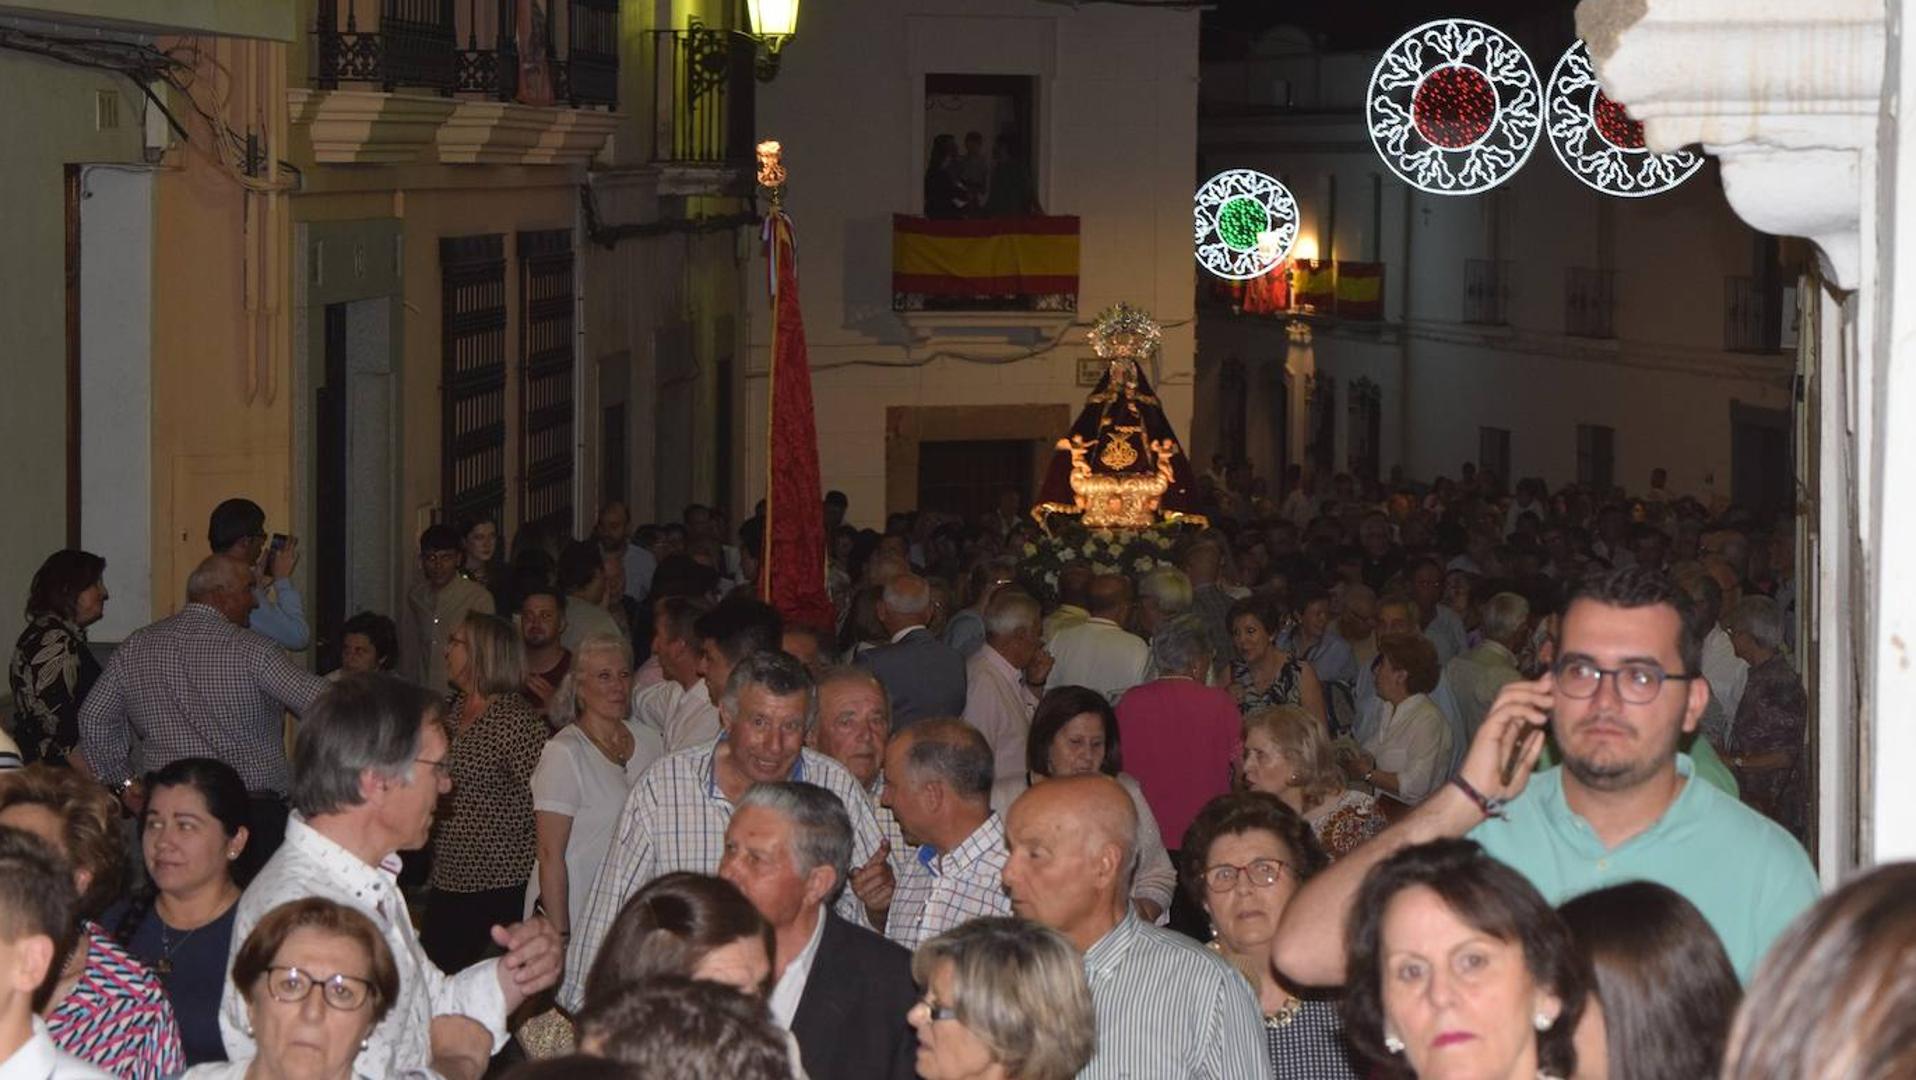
(483, 839)
(1244, 857)
(316, 977)
(1005, 999)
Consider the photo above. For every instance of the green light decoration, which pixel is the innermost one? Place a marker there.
(1244, 223)
(1239, 222)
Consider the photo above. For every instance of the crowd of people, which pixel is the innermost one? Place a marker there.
(1421, 781)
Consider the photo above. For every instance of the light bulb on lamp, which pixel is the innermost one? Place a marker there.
(1305, 249)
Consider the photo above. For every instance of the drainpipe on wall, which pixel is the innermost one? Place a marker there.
(1403, 337)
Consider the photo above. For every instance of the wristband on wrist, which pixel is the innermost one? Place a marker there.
(1491, 807)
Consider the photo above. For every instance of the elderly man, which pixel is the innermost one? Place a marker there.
(938, 783)
(1475, 677)
(237, 527)
(676, 648)
(1180, 736)
(435, 606)
(676, 815)
(371, 766)
(1722, 668)
(854, 724)
(1003, 679)
(842, 990)
(726, 635)
(1443, 626)
(1163, 594)
(1167, 1007)
(923, 676)
(1099, 652)
(199, 684)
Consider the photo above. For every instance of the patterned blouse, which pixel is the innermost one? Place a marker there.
(1345, 822)
(1773, 716)
(117, 1016)
(1307, 1043)
(51, 673)
(483, 837)
(1286, 689)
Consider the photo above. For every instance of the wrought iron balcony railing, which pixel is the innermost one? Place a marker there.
(706, 96)
(536, 52)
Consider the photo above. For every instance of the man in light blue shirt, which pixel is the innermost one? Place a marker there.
(1624, 689)
(237, 528)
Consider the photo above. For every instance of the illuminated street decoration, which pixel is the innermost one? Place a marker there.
(1598, 141)
(1454, 107)
(1246, 223)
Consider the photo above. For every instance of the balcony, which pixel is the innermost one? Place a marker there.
(460, 81)
(1012, 279)
(703, 133)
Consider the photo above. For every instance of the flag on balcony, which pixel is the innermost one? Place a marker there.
(1314, 285)
(1360, 290)
(1010, 256)
(792, 573)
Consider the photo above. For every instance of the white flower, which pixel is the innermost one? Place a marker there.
(1103, 534)
(1051, 579)
(1090, 549)
(1164, 542)
(1142, 564)
(1104, 568)
(1030, 550)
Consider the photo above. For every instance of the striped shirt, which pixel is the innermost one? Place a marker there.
(675, 819)
(939, 892)
(1169, 1010)
(117, 1016)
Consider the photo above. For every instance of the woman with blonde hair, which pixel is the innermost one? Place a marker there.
(584, 775)
(1005, 999)
(1287, 755)
(483, 843)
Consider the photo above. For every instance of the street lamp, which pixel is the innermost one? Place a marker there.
(772, 22)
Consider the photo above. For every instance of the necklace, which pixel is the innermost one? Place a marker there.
(620, 749)
(168, 948)
(1279, 1017)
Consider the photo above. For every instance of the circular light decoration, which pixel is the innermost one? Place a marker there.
(1454, 107)
(1598, 142)
(1246, 223)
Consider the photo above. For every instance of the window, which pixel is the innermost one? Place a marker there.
(1366, 429)
(1493, 451)
(979, 156)
(472, 460)
(1322, 392)
(1750, 322)
(1596, 456)
(1589, 302)
(1487, 291)
(546, 408)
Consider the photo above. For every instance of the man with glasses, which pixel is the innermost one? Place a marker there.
(1625, 805)
(435, 605)
(369, 768)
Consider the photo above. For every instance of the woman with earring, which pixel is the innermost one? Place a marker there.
(1458, 968)
(194, 829)
(1264, 675)
(1244, 857)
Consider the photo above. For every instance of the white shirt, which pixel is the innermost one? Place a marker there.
(1099, 654)
(1722, 669)
(576, 779)
(791, 982)
(999, 704)
(309, 864)
(693, 721)
(652, 704)
(1413, 742)
(39, 1059)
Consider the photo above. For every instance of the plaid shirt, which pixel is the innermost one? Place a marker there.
(195, 685)
(675, 819)
(939, 892)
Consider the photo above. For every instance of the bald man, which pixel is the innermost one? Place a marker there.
(923, 676)
(1099, 652)
(1167, 1007)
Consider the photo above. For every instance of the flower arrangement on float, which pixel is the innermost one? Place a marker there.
(1131, 552)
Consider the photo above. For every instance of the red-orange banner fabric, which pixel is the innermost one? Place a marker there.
(792, 576)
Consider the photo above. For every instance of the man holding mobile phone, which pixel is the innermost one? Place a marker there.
(238, 528)
(1622, 690)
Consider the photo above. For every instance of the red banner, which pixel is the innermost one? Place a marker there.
(792, 575)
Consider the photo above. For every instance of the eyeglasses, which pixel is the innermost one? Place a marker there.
(937, 1011)
(441, 768)
(1637, 683)
(1261, 873)
(343, 992)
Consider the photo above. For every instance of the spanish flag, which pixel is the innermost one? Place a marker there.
(1360, 290)
(1011, 256)
(1313, 285)
(792, 570)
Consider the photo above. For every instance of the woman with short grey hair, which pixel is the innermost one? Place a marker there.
(1004, 998)
(483, 842)
(1767, 743)
(585, 773)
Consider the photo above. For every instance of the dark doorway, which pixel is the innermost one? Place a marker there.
(965, 477)
(612, 482)
(329, 525)
(1762, 469)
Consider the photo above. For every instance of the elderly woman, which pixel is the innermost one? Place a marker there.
(1005, 999)
(483, 840)
(584, 775)
(368, 642)
(1457, 967)
(1243, 858)
(316, 977)
(1074, 732)
(1768, 738)
(195, 826)
(1408, 753)
(1264, 675)
(105, 1007)
(1287, 755)
(52, 669)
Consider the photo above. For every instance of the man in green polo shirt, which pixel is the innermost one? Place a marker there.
(1625, 687)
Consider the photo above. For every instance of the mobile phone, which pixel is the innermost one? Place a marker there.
(278, 543)
(1522, 747)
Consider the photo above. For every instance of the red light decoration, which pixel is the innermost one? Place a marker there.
(1615, 125)
(1454, 106)
(1599, 142)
